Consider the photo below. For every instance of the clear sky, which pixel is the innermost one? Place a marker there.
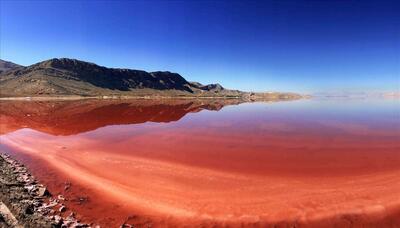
(299, 46)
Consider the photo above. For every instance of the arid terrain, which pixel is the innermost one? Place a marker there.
(65, 78)
(200, 114)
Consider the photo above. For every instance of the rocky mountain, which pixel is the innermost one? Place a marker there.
(71, 77)
(6, 66)
(74, 77)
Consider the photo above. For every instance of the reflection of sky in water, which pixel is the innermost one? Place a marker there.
(356, 116)
(283, 116)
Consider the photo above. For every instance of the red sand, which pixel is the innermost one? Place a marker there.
(232, 172)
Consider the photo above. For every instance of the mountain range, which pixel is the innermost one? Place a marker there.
(61, 77)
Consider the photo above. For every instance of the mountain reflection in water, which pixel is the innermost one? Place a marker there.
(73, 117)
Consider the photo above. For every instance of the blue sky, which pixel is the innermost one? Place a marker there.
(300, 46)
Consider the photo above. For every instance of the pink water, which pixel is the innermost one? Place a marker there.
(207, 163)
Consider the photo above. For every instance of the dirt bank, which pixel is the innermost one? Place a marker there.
(26, 203)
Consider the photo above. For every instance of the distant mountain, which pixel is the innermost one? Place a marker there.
(67, 77)
(6, 66)
(360, 95)
(73, 77)
(391, 94)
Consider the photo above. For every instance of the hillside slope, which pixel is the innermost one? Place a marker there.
(57, 77)
(71, 77)
(6, 66)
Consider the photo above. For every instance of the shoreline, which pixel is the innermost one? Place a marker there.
(273, 96)
(24, 202)
(112, 97)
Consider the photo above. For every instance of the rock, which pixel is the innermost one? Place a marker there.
(29, 210)
(58, 220)
(42, 191)
(80, 225)
(66, 224)
(62, 209)
(37, 203)
(30, 188)
(51, 204)
(71, 216)
(30, 201)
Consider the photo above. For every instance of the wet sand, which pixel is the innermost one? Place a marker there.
(223, 169)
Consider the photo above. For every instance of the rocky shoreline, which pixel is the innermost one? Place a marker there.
(244, 97)
(24, 202)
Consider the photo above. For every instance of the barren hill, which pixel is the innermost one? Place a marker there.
(67, 77)
(6, 66)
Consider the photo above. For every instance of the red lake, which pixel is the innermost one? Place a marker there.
(315, 162)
